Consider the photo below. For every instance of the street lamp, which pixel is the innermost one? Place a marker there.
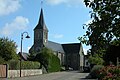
(21, 48)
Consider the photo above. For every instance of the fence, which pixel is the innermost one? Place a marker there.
(3, 71)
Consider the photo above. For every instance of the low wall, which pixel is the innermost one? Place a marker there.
(16, 73)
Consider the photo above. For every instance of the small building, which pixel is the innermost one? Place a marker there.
(24, 56)
(71, 55)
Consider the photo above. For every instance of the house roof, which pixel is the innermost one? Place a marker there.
(71, 48)
(24, 55)
(55, 46)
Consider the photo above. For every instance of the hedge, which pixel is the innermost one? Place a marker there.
(15, 65)
(54, 64)
(47, 59)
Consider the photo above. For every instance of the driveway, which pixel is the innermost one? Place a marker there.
(70, 75)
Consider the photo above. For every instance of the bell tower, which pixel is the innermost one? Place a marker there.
(40, 34)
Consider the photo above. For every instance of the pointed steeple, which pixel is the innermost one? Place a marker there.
(41, 20)
(41, 23)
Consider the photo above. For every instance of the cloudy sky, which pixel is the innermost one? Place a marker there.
(64, 19)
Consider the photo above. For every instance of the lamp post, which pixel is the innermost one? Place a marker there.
(21, 48)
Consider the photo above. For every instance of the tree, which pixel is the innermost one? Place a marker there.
(8, 49)
(2, 61)
(112, 53)
(44, 57)
(32, 55)
(47, 59)
(105, 25)
(96, 59)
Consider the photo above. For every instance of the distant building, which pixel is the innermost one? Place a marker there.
(24, 56)
(87, 66)
(71, 55)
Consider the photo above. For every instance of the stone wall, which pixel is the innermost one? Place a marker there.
(16, 73)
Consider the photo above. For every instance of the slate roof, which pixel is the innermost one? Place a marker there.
(41, 23)
(71, 48)
(24, 55)
(55, 46)
(64, 48)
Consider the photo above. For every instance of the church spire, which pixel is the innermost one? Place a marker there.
(41, 19)
(41, 23)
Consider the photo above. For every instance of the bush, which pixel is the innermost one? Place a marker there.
(15, 65)
(30, 65)
(54, 64)
(109, 73)
(47, 59)
(95, 70)
(2, 61)
(96, 59)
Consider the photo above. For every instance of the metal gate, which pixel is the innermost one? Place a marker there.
(3, 71)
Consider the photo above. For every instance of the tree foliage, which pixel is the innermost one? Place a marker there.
(54, 64)
(96, 59)
(44, 57)
(47, 59)
(8, 49)
(2, 61)
(105, 25)
(113, 52)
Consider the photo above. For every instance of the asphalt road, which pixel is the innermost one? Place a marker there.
(70, 75)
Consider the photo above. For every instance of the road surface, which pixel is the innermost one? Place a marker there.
(70, 75)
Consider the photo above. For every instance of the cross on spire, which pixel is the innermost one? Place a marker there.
(41, 3)
(41, 23)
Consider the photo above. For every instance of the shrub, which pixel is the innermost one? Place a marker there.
(109, 73)
(47, 59)
(30, 65)
(15, 65)
(2, 61)
(54, 64)
(95, 70)
(96, 59)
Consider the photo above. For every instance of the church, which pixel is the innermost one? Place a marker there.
(71, 55)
